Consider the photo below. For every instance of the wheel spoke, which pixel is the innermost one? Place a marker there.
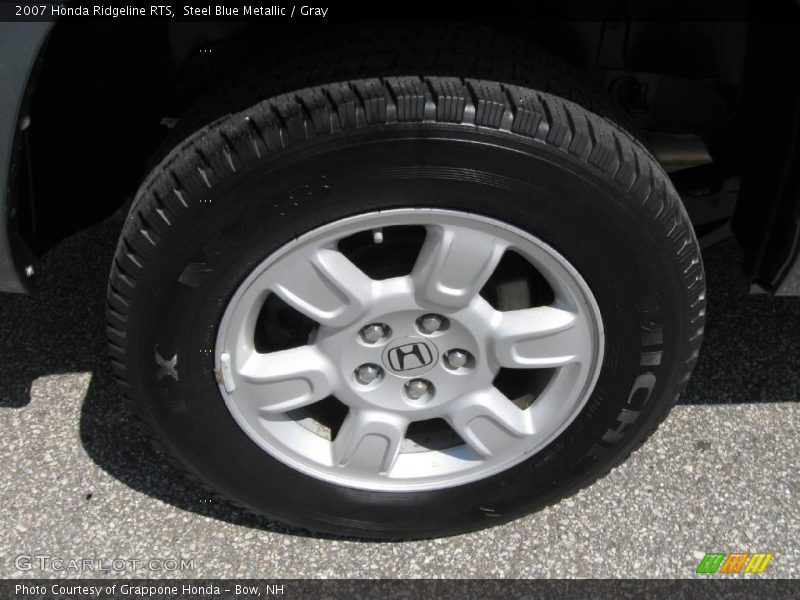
(286, 380)
(541, 337)
(368, 441)
(488, 421)
(454, 264)
(325, 286)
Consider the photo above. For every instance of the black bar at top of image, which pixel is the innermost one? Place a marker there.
(420, 11)
(444, 589)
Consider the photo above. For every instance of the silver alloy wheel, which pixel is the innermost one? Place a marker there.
(459, 254)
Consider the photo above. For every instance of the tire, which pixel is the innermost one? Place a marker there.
(249, 185)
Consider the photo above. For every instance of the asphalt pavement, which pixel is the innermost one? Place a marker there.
(77, 482)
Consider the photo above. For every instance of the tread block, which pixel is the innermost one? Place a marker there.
(527, 109)
(410, 95)
(374, 99)
(450, 96)
(490, 102)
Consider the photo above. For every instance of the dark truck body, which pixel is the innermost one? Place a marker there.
(20, 44)
(81, 113)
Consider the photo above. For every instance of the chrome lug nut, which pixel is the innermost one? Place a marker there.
(418, 388)
(374, 332)
(456, 359)
(432, 323)
(366, 374)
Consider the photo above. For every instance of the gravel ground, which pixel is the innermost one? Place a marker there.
(76, 481)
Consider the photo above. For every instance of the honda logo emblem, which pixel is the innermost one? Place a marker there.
(410, 356)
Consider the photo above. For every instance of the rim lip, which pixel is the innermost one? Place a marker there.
(319, 472)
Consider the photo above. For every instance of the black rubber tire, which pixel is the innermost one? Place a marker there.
(239, 188)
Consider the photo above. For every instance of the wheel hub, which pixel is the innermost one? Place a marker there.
(413, 353)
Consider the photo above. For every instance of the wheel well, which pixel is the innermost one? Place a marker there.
(106, 96)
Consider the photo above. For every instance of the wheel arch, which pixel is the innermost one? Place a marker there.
(107, 96)
(107, 107)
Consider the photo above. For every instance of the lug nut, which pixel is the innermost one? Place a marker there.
(374, 332)
(457, 359)
(366, 374)
(432, 323)
(418, 388)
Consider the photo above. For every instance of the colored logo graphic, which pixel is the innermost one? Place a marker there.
(735, 562)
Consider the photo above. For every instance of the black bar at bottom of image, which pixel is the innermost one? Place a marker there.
(386, 589)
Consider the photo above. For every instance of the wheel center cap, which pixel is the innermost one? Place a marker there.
(410, 356)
